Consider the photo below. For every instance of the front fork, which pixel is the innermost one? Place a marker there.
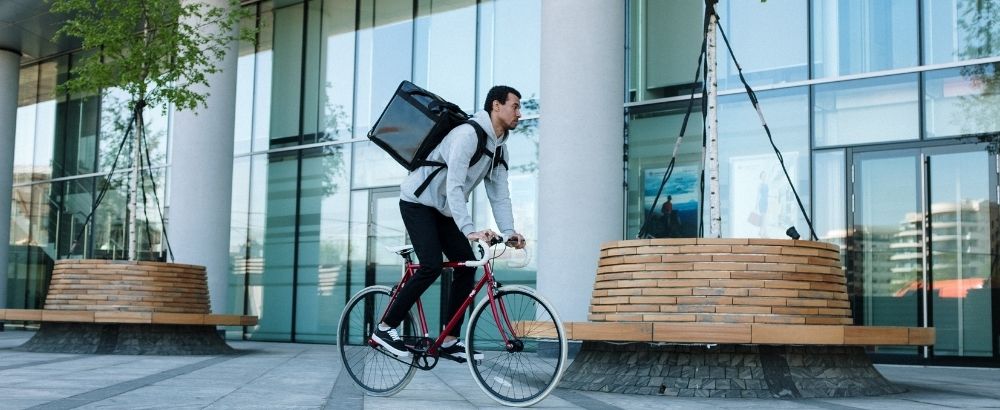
(502, 319)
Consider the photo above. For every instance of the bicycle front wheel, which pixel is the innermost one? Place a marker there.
(523, 369)
(377, 372)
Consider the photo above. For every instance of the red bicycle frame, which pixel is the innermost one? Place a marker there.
(410, 269)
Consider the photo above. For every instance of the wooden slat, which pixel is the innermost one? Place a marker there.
(621, 332)
(872, 335)
(701, 332)
(792, 334)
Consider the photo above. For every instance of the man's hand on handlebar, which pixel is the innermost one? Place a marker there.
(517, 241)
(484, 235)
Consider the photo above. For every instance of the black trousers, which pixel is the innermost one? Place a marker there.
(432, 234)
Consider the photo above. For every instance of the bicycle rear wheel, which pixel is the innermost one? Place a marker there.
(377, 372)
(523, 370)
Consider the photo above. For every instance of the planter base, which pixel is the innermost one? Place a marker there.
(135, 339)
(760, 371)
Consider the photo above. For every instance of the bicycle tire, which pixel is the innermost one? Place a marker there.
(376, 372)
(511, 377)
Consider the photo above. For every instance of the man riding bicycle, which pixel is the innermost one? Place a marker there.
(436, 215)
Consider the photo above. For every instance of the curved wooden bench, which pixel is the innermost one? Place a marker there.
(750, 291)
(727, 318)
(103, 291)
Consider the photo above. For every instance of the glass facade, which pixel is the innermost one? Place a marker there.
(65, 148)
(314, 202)
(885, 114)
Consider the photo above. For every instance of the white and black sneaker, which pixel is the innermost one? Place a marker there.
(389, 340)
(457, 350)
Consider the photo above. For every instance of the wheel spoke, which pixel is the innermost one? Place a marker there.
(373, 370)
(517, 377)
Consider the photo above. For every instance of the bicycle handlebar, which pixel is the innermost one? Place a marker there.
(486, 247)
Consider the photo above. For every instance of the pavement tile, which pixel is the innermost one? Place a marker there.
(305, 376)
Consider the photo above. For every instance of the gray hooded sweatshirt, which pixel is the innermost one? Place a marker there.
(449, 191)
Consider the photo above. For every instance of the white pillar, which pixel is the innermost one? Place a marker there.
(10, 62)
(201, 179)
(580, 190)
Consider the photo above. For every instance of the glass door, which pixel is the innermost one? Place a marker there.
(385, 229)
(922, 248)
(960, 251)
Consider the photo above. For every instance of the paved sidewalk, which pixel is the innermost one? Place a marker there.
(308, 376)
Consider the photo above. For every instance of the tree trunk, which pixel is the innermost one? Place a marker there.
(711, 127)
(133, 191)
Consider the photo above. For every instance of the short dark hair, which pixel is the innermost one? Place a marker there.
(499, 93)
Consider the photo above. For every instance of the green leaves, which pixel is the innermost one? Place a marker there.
(154, 50)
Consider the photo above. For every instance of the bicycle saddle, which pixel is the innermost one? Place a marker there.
(401, 250)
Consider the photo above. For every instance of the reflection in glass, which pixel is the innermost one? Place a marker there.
(241, 263)
(336, 68)
(658, 68)
(245, 62)
(24, 133)
(962, 101)
(270, 293)
(46, 116)
(961, 253)
(384, 57)
(286, 76)
(445, 29)
(263, 78)
(770, 41)
(829, 197)
(860, 36)
(509, 50)
(885, 259)
(956, 30)
(756, 200)
(323, 242)
(652, 135)
(373, 167)
(866, 111)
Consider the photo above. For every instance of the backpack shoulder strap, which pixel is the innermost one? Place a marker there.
(481, 147)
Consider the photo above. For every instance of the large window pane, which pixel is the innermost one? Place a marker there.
(446, 29)
(286, 76)
(509, 53)
(652, 135)
(270, 293)
(31, 253)
(245, 71)
(373, 167)
(962, 101)
(829, 197)
(385, 56)
(50, 74)
(324, 212)
(24, 134)
(756, 199)
(956, 30)
(337, 70)
(860, 36)
(663, 68)
(770, 41)
(262, 82)
(866, 111)
(239, 246)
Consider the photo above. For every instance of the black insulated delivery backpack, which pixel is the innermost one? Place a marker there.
(414, 123)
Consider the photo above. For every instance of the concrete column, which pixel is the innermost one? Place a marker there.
(201, 179)
(580, 198)
(9, 71)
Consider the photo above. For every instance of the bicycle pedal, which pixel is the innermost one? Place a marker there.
(453, 358)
